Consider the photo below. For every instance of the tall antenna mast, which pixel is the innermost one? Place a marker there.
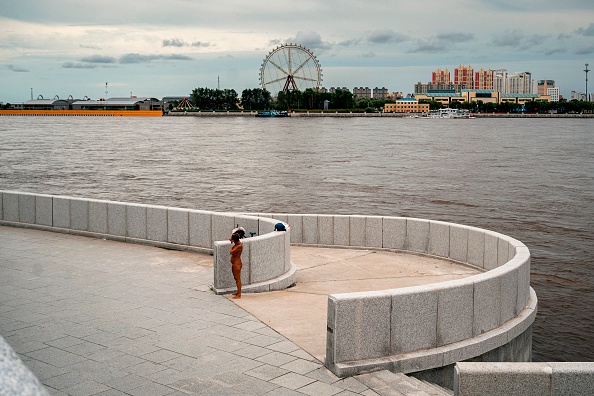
(218, 83)
(587, 70)
(31, 93)
(105, 90)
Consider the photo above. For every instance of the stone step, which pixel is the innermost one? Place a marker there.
(386, 383)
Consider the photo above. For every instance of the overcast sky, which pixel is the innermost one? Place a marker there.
(169, 47)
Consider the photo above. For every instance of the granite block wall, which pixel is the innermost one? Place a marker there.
(439, 238)
(509, 294)
(362, 324)
(455, 308)
(136, 221)
(27, 208)
(394, 233)
(79, 214)
(200, 227)
(61, 212)
(43, 210)
(156, 223)
(373, 231)
(178, 226)
(342, 236)
(310, 228)
(413, 319)
(326, 229)
(417, 235)
(476, 247)
(249, 223)
(502, 250)
(266, 225)
(357, 231)
(296, 224)
(1, 205)
(98, 216)
(459, 243)
(268, 260)
(490, 258)
(222, 225)
(116, 218)
(10, 206)
(487, 303)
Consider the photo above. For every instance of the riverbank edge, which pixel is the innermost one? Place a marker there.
(377, 115)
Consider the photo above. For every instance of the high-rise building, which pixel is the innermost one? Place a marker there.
(500, 81)
(543, 85)
(554, 93)
(483, 79)
(519, 83)
(441, 77)
(380, 93)
(362, 93)
(464, 76)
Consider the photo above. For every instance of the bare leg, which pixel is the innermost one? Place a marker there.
(237, 276)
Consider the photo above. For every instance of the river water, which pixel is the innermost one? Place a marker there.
(532, 179)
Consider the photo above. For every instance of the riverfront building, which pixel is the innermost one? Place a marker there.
(406, 105)
(362, 93)
(484, 95)
(483, 79)
(464, 76)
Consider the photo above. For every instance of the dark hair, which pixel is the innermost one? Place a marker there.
(235, 237)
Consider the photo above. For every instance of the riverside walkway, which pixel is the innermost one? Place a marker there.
(96, 317)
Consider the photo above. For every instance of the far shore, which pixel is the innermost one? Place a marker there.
(391, 115)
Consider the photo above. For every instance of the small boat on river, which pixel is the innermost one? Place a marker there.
(272, 113)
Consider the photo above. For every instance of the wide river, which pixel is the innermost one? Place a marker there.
(532, 179)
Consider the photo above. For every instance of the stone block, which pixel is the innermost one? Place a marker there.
(178, 226)
(116, 218)
(490, 258)
(502, 251)
(296, 224)
(61, 212)
(43, 210)
(487, 303)
(1, 205)
(476, 247)
(249, 223)
(454, 311)
(357, 231)
(310, 229)
(417, 235)
(439, 238)
(342, 235)
(281, 217)
(459, 243)
(326, 229)
(156, 223)
(475, 348)
(287, 240)
(200, 223)
(509, 294)
(414, 319)
(361, 326)
(373, 231)
(222, 225)
(266, 225)
(79, 214)
(526, 379)
(394, 233)
(10, 205)
(572, 378)
(267, 257)
(98, 216)
(414, 362)
(523, 281)
(27, 208)
(136, 221)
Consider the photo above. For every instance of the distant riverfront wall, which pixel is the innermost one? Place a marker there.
(425, 328)
(266, 260)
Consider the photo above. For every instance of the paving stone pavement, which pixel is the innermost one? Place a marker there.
(96, 317)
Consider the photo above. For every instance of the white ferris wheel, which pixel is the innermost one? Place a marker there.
(290, 67)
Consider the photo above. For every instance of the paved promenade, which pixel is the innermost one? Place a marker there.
(96, 317)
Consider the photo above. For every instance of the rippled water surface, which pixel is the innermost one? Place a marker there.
(530, 179)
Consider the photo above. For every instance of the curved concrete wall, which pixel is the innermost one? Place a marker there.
(423, 327)
(267, 264)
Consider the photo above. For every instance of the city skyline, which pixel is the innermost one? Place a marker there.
(162, 49)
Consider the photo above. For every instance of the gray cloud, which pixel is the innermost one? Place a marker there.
(98, 59)
(589, 31)
(385, 36)
(89, 46)
(138, 58)
(78, 65)
(428, 46)
(310, 39)
(509, 38)
(17, 69)
(368, 55)
(181, 43)
(456, 37)
(585, 50)
(556, 50)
